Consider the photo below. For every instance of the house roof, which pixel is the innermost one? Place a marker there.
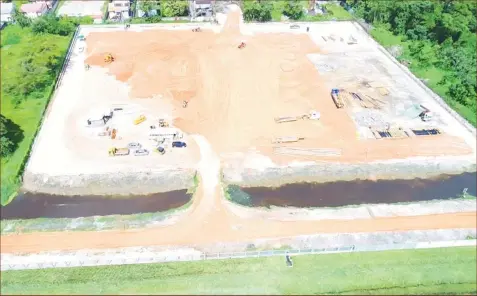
(6, 8)
(36, 7)
(201, 2)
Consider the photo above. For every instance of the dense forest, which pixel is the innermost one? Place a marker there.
(438, 36)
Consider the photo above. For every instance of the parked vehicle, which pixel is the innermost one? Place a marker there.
(160, 150)
(134, 145)
(141, 152)
(118, 151)
(179, 144)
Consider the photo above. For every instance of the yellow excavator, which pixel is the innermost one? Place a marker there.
(109, 58)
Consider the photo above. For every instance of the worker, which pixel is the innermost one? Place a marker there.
(184, 104)
(308, 29)
(288, 259)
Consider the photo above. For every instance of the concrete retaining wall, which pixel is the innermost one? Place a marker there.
(120, 183)
(331, 172)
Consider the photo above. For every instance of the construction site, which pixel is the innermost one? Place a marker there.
(143, 109)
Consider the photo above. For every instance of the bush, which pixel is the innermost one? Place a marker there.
(173, 8)
(293, 9)
(260, 11)
(62, 26)
(237, 195)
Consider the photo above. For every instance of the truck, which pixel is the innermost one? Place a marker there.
(426, 114)
(335, 95)
(118, 151)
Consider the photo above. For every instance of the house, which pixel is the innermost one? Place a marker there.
(7, 11)
(118, 9)
(34, 10)
(202, 8)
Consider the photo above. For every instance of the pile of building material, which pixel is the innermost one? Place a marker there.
(307, 151)
(395, 133)
(286, 140)
(367, 102)
(313, 115)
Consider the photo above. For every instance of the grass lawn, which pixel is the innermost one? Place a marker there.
(29, 113)
(431, 271)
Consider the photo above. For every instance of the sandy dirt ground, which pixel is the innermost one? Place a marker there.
(234, 95)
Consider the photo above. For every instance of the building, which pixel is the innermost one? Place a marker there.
(7, 11)
(201, 8)
(119, 10)
(35, 9)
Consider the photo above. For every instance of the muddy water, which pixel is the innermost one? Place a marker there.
(338, 194)
(33, 205)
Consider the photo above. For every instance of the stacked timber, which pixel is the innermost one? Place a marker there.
(307, 151)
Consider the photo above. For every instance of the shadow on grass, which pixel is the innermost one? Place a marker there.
(14, 133)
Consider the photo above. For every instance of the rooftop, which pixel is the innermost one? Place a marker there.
(6, 8)
(36, 7)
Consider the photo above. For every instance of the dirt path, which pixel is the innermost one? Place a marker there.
(209, 220)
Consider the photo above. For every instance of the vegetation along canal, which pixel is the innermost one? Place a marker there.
(358, 192)
(34, 205)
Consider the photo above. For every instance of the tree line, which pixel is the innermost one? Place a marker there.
(441, 34)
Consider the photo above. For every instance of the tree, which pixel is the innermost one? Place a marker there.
(260, 11)
(19, 18)
(10, 135)
(173, 8)
(293, 9)
(148, 6)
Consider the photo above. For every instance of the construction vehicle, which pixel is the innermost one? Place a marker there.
(286, 140)
(242, 45)
(140, 119)
(107, 132)
(118, 151)
(134, 145)
(335, 95)
(108, 58)
(314, 115)
(160, 150)
(178, 144)
(426, 115)
(163, 123)
(100, 120)
(198, 29)
(141, 152)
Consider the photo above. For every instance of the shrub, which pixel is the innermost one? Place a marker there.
(237, 195)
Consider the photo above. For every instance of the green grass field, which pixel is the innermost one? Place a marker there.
(431, 271)
(28, 114)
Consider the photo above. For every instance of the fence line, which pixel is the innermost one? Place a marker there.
(82, 259)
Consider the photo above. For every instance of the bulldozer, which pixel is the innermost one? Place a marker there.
(109, 58)
(163, 123)
(139, 119)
